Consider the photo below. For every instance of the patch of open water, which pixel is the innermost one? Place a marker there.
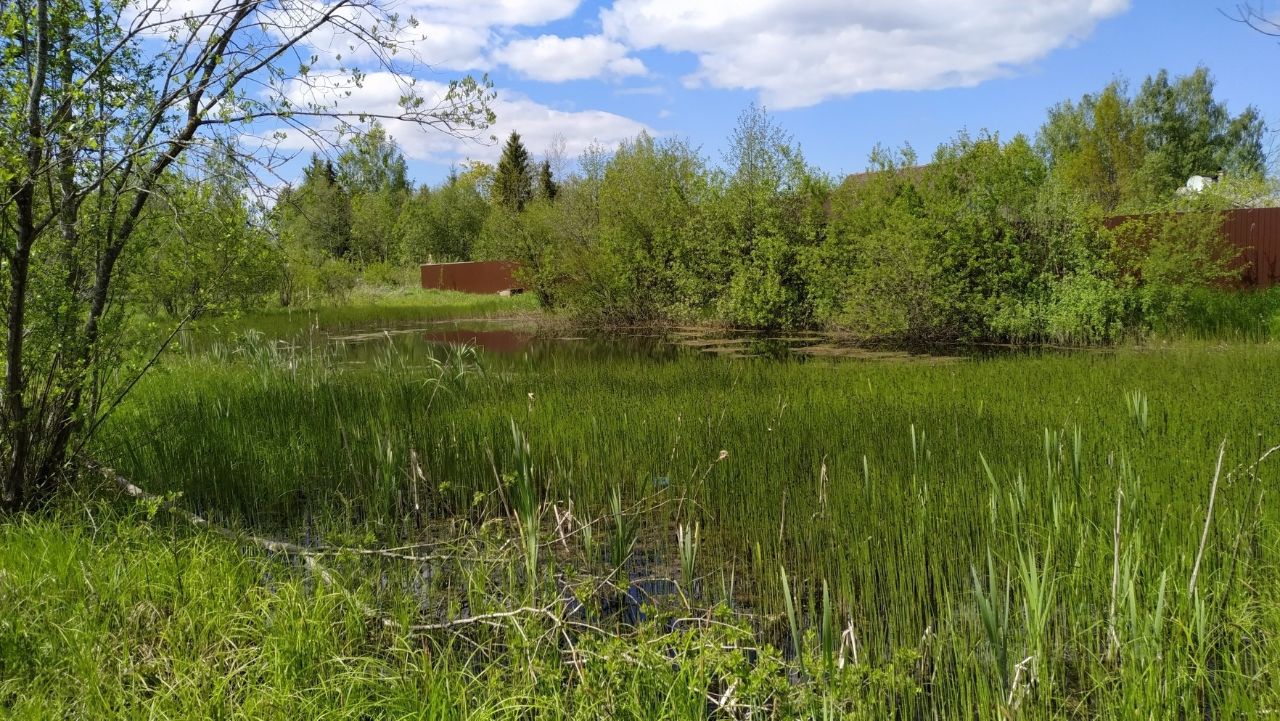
(515, 337)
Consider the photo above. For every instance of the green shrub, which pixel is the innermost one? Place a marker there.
(1163, 259)
(387, 274)
(336, 278)
(1084, 308)
(765, 291)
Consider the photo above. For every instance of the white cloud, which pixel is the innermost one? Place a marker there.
(538, 124)
(801, 52)
(456, 34)
(445, 34)
(551, 58)
(642, 90)
(508, 13)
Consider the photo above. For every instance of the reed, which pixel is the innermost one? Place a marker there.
(1002, 531)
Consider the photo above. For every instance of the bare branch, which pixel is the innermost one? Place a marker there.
(1257, 17)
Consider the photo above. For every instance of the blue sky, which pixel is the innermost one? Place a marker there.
(840, 76)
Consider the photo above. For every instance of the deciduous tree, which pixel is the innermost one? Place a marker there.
(99, 103)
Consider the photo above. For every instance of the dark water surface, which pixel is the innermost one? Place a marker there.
(514, 338)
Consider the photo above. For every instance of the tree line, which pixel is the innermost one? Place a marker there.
(987, 239)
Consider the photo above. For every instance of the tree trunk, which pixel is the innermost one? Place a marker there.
(17, 416)
(18, 430)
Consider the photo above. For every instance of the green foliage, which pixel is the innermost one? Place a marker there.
(206, 250)
(644, 205)
(1124, 153)
(974, 245)
(361, 218)
(371, 162)
(513, 179)
(372, 170)
(981, 196)
(547, 186)
(374, 218)
(649, 232)
(444, 223)
(1189, 132)
(387, 275)
(991, 240)
(769, 213)
(526, 237)
(1084, 309)
(100, 112)
(1165, 259)
(1096, 147)
(316, 217)
(336, 278)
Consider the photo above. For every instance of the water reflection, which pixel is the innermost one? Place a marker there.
(503, 338)
(510, 338)
(493, 340)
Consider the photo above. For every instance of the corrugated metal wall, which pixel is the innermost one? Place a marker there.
(1256, 232)
(488, 276)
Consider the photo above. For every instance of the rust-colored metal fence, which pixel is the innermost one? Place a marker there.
(1256, 232)
(487, 276)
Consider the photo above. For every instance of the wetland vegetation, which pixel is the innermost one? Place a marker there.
(760, 443)
(658, 533)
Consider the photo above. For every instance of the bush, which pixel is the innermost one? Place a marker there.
(529, 238)
(387, 274)
(336, 278)
(1163, 259)
(205, 252)
(1085, 308)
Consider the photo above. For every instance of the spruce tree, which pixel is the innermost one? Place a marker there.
(317, 214)
(513, 182)
(546, 184)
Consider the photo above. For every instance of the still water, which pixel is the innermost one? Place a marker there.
(521, 339)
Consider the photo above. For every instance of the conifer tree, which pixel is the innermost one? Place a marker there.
(546, 184)
(317, 214)
(513, 183)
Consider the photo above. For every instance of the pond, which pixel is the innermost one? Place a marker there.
(516, 337)
(903, 483)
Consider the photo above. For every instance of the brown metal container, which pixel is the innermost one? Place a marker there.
(486, 276)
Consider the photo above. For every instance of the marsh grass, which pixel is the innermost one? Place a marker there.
(119, 612)
(1247, 315)
(388, 307)
(1004, 537)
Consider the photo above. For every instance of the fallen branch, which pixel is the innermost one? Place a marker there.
(269, 544)
(545, 612)
(310, 557)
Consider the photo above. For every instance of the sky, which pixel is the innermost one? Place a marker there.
(839, 75)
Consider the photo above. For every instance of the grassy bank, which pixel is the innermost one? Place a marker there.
(1248, 315)
(381, 304)
(116, 612)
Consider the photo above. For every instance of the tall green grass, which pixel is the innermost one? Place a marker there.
(1011, 536)
(114, 612)
(1247, 315)
(387, 307)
